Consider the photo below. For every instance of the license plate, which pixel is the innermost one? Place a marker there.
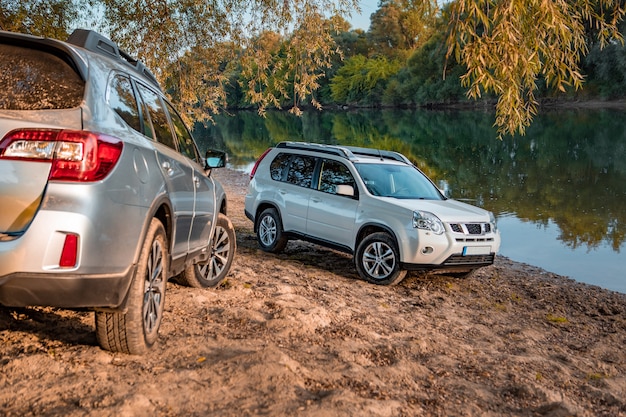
(476, 250)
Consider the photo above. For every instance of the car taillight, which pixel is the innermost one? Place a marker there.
(76, 155)
(258, 161)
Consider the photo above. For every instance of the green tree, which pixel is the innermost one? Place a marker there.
(400, 26)
(362, 80)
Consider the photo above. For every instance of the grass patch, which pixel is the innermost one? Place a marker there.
(556, 319)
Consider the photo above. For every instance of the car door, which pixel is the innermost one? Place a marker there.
(294, 191)
(204, 205)
(177, 171)
(331, 215)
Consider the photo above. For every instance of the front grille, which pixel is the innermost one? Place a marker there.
(470, 260)
(474, 228)
(471, 228)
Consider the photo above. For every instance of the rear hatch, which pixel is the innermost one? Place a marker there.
(42, 83)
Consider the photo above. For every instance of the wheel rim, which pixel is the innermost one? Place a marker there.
(379, 260)
(154, 288)
(220, 252)
(267, 230)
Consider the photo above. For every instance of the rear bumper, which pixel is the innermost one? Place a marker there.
(66, 291)
(108, 235)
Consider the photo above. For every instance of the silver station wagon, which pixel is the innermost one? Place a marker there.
(373, 204)
(104, 195)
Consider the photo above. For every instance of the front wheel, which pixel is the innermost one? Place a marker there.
(270, 231)
(136, 330)
(377, 260)
(223, 246)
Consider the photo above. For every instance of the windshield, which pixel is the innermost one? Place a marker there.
(397, 181)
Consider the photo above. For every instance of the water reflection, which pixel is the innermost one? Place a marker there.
(567, 175)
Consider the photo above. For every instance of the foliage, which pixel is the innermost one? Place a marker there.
(51, 18)
(362, 80)
(428, 78)
(400, 26)
(508, 45)
(209, 34)
(211, 54)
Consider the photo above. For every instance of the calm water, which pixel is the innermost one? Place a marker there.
(559, 192)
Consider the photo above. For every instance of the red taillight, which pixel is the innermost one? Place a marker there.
(258, 161)
(69, 255)
(76, 155)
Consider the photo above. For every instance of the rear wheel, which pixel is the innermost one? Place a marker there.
(210, 273)
(270, 231)
(136, 330)
(377, 260)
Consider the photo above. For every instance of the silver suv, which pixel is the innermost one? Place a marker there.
(373, 204)
(103, 193)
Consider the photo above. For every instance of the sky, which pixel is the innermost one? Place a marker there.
(362, 20)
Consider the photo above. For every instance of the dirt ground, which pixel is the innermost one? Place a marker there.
(298, 334)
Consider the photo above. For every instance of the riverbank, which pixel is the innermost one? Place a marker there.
(299, 334)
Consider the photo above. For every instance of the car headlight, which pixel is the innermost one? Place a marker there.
(492, 220)
(427, 221)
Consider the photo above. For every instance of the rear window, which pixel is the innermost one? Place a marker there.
(36, 80)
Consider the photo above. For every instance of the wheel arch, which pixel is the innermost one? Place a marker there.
(262, 207)
(369, 228)
(162, 210)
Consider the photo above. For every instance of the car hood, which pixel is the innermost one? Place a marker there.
(448, 211)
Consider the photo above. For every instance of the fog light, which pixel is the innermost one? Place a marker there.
(427, 250)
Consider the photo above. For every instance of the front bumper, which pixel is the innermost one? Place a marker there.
(423, 250)
(457, 262)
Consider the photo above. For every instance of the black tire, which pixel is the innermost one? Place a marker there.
(136, 330)
(377, 260)
(270, 231)
(209, 274)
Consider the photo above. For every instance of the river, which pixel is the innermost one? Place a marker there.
(558, 192)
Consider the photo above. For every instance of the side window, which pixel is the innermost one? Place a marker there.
(334, 173)
(122, 101)
(301, 171)
(157, 114)
(185, 141)
(278, 165)
(147, 125)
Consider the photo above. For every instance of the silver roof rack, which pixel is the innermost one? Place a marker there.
(95, 42)
(348, 152)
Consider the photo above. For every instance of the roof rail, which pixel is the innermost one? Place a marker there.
(318, 147)
(95, 42)
(348, 152)
(396, 156)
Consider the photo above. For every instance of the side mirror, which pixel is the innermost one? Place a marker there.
(344, 189)
(215, 159)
